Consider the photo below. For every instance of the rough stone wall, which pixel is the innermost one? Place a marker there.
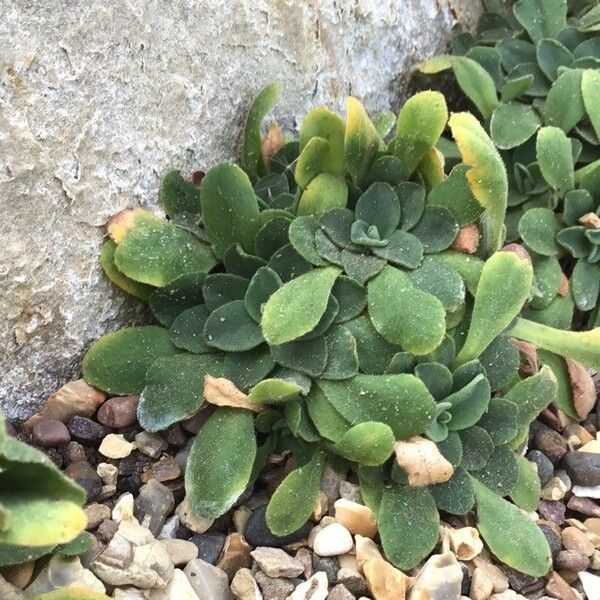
(99, 98)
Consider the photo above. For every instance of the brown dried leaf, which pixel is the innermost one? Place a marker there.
(222, 392)
(563, 288)
(518, 250)
(272, 142)
(582, 388)
(422, 461)
(467, 240)
(530, 363)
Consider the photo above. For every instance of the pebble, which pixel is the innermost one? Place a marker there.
(83, 474)
(552, 537)
(96, 513)
(106, 530)
(587, 491)
(190, 520)
(340, 592)
(108, 473)
(178, 588)
(181, 552)
(175, 436)
(257, 533)
(583, 468)
(273, 589)
(244, 586)
(330, 483)
(315, 588)
(440, 578)
(465, 542)
(555, 489)
(545, 468)
(330, 565)
(584, 506)
(481, 585)
(209, 546)
(357, 518)
(572, 560)
(119, 412)
(274, 562)
(154, 503)
(75, 452)
(166, 469)
(550, 443)
(557, 587)
(208, 582)
(574, 539)
(50, 433)
(150, 444)
(115, 446)
(19, 575)
(552, 511)
(518, 581)
(576, 436)
(333, 540)
(352, 580)
(591, 585)
(236, 554)
(384, 581)
(86, 431)
(350, 491)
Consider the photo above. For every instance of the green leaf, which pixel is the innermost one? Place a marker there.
(548, 276)
(515, 88)
(272, 236)
(288, 264)
(500, 361)
(311, 161)
(533, 394)
(296, 308)
(308, 356)
(324, 193)
(564, 392)
(274, 391)
(403, 314)
(403, 249)
(232, 329)
(168, 302)
(538, 228)
(118, 361)
(526, 492)
(178, 196)
(486, 176)
(321, 122)
(178, 377)
(342, 356)
(420, 124)
(371, 482)
(555, 159)
(437, 229)
(361, 140)
(246, 369)
(501, 421)
(513, 124)
(238, 262)
(262, 104)
(435, 276)
(368, 443)
(551, 55)
(477, 446)
(585, 283)
(107, 262)
(187, 330)
(436, 377)
(468, 403)
(412, 201)
(476, 83)
(590, 90)
(351, 298)
(263, 285)
(328, 421)
(542, 18)
(374, 352)
(504, 286)
(455, 496)
(293, 501)
(564, 106)
(302, 237)
(220, 462)
(159, 253)
(229, 208)
(408, 524)
(400, 401)
(500, 473)
(383, 121)
(379, 206)
(512, 536)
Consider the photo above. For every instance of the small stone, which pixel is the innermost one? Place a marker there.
(552, 511)
(439, 579)
(465, 542)
(209, 546)
(315, 588)
(166, 469)
(333, 540)
(150, 444)
(572, 560)
(592, 445)
(330, 565)
(123, 509)
(583, 468)
(499, 579)
(115, 446)
(274, 562)
(555, 489)
(321, 507)
(178, 588)
(19, 575)
(50, 433)
(305, 556)
(384, 581)
(83, 474)
(240, 518)
(557, 587)
(577, 436)
(181, 552)
(340, 592)
(550, 442)
(155, 503)
(552, 537)
(481, 585)
(193, 424)
(106, 530)
(366, 549)
(119, 412)
(330, 483)
(209, 582)
(591, 585)
(273, 589)
(545, 468)
(350, 491)
(357, 518)
(236, 554)
(175, 436)
(244, 586)
(86, 431)
(190, 520)
(519, 581)
(584, 491)
(352, 580)
(96, 513)
(257, 533)
(574, 539)
(75, 452)
(584, 506)
(108, 473)
(108, 491)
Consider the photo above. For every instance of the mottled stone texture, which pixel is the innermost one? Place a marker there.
(98, 99)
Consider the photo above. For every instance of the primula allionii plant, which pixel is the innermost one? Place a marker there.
(533, 72)
(328, 301)
(40, 508)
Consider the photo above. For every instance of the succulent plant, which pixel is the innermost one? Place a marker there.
(318, 304)
(40, 508)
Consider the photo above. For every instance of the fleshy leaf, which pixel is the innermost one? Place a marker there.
(220, 462)
(274, 391)
(538, 228)
(590, 89)
(168, 302)
(324, 193)
(513, 124)
(107, 262)
(533, 394)
(232, 329)
(542, 18)
(321, 122)
(555, 159)
(178, 196)
(368, 443)
(361, 140)
(526, 492)
(564, 106)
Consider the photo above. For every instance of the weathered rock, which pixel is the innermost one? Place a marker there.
(181, 552)
(87, 431)
(340, 592)
(119, 412)
(155, 502)
(150, 444)
(440, 578)
(50, 433)
(209, 582)
(357, 518)
(209, 546)
(274, 562)
(244, 586)
(190, 520)
(115, 446)
(273, 589)
(178, 588)
(583, 468)
(96, 513)
(236, 555)
(108, 473)
(315, 588)
(101, 98)
(385, 581)
(166, 469)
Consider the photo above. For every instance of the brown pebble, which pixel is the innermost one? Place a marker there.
(83, 474)
(551, 443)
(575, 539)
(175, 436)
(572, 560)
(557, 587)
(119, 412)
(96, 514)
(166, 469)
(75, 452)
(50, 433)
(106, 530)
(552, 511)
(585, 506)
